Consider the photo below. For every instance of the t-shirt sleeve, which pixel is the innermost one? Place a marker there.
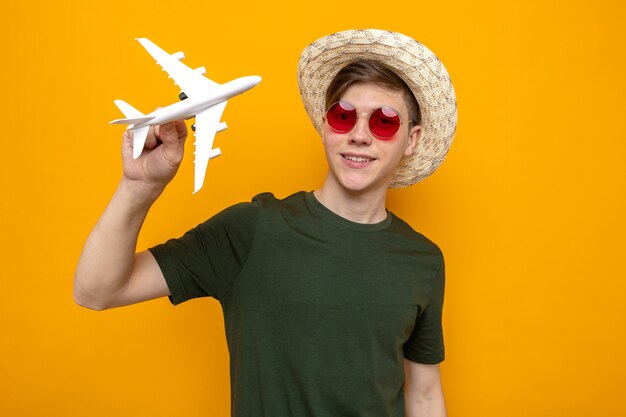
(425, 344)
(207, 259)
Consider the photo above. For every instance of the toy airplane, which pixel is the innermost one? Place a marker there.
(200, 97)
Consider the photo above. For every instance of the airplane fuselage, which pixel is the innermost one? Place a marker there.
(191, 106)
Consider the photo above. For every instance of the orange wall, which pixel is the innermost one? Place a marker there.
(528, 207)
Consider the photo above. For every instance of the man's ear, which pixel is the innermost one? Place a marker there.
(414, 136)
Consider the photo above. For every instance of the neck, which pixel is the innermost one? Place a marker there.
(366, 206)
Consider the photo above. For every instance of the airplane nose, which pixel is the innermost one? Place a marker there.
(255, 79)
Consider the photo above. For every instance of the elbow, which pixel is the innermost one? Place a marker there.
(84, 299)
(88, 304)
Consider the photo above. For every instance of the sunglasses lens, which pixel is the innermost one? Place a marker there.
(384, 123)
(341, 116)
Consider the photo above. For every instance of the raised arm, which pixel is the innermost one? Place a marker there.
(109, 273)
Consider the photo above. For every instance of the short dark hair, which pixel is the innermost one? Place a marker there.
(367, 71)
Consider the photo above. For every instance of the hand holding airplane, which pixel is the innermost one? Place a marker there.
(201, 97)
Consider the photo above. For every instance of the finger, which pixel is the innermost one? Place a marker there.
(181, 130)
(128, 136)
(127, 144)
(173, 136)
(151, 139)
(168, 133)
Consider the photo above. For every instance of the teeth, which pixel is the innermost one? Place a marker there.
(356, 158)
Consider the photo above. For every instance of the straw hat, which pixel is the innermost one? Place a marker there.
(420, 69)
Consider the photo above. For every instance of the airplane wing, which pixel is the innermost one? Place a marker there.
(189, 80)
(207, 125)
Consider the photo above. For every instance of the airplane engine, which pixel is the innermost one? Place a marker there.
(200, 70)
(178, 55)
(220, 127)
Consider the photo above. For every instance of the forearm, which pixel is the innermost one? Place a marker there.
(432, 405)
(423, 394)
(108, 256)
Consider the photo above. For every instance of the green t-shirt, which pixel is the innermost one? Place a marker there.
(319, 311)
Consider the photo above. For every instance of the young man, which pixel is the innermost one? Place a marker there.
(332, 305)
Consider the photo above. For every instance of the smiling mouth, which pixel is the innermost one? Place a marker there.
(357, 158)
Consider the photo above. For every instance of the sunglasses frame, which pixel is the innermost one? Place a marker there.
(382, 108)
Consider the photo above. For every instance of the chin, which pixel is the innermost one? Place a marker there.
(363, 184)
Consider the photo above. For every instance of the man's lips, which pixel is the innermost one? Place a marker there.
(358, 158)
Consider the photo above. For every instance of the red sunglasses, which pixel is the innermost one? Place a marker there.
(384, 122)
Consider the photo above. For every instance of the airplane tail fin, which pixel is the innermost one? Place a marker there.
(139, 140)
(133, 115)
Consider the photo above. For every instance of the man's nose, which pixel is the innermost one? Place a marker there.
(360, 134)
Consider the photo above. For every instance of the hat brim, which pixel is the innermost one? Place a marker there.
(420, 69)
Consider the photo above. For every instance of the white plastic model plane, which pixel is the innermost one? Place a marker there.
(200, 97)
